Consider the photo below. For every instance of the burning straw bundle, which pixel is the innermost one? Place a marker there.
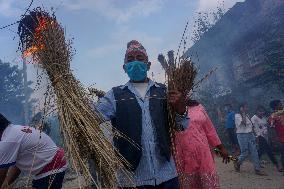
(43, 38)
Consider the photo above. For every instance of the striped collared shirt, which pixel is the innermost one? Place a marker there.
(153, 169)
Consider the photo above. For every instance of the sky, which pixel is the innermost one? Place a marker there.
(100, 30)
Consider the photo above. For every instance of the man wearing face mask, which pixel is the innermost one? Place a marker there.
(139, 110)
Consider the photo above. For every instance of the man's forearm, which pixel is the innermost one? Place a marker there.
(2, 181)
(3, 173)
(12, 175)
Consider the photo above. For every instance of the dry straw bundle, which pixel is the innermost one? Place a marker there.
(43, 38)
(179, 76)
(96, 92)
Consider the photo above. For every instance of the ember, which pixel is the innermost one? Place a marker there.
(30, 30)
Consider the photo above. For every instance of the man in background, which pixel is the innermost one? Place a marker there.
(230, 128)
(260, 124)
(246, 139)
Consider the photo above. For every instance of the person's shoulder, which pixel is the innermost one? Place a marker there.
(13, 132)
(199, 108)
(160, 85)
(118, 88)
(14, 128)
(115, 87)
(231, 114)
(265, 118)
(238, 115)
(254, 117)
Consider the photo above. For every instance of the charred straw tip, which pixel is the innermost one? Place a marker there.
(28, 24)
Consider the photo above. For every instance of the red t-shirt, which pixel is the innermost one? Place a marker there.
(277, 122)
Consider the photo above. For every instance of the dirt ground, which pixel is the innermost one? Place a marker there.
(229, 179)
(246, 179)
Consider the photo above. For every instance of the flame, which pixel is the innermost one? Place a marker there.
(33, 49)
(42, 25)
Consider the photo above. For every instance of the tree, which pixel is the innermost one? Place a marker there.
(12, 93)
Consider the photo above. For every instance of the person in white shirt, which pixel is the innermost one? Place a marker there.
(246, 139)
(26, 149)
(261, 131)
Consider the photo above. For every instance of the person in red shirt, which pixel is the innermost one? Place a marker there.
(276, 121)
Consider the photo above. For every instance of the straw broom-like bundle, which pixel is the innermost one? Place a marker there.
(43, 38)
(179, 76)
(96, 92)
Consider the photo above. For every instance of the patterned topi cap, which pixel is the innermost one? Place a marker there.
(134, 46)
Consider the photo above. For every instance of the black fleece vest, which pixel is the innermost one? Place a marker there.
(128, 120)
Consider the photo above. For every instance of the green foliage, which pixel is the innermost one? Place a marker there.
(12, 92)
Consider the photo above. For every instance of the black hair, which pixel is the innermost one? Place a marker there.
(259, 108)
(190, 102)
(243, 105)
(274, 103)
(228, 105)
(4, 122)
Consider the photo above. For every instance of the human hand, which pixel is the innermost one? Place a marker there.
(225, 156)
(224, 153)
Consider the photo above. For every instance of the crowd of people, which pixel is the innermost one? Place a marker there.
(139, 110)
(257, 135)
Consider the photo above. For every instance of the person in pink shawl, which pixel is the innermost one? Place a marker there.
(194, 158)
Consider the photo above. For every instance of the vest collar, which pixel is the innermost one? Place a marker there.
(151, 83)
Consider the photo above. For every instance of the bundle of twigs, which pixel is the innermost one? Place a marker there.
(96, 92)
(179, 76)
(43, 38)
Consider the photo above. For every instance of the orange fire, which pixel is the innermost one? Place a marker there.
(33, 49)
(42, 25)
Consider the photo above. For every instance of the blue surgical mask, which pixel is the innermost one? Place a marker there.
(136, 70)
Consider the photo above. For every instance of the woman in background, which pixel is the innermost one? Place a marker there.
(194, 158)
